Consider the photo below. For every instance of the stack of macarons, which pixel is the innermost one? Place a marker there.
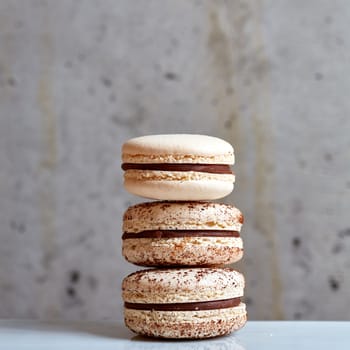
(185, 237)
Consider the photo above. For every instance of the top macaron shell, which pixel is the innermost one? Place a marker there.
(178, 148)
(182, 285)
(181, 215)
(165, 184)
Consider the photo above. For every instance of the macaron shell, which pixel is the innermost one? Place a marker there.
(184, 251)
(182, 285)
(189, 215)
(177, 148)
(208, 188)
(186, 324)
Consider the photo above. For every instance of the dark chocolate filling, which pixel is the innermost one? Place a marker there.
(180, 233)
(201, 305)
(203, 168)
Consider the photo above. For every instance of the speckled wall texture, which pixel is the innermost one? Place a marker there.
(78, 78)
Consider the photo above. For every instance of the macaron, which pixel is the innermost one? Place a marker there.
(178, 167)
(184, 303)
(182, 233)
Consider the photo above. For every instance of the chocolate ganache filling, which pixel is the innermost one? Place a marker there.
(194, 306)
(179, 233)
(203, 168)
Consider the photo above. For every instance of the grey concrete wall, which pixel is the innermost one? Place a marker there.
(78, 78)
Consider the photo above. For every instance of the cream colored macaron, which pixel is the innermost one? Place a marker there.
(178, 167)
(184, 303)
(182, 233)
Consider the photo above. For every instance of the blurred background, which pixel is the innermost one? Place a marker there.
(78, 78)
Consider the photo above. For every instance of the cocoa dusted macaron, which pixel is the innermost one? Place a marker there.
(183, 233)
(184, 303)
(178, 167)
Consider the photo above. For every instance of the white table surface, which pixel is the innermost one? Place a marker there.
(15, 334)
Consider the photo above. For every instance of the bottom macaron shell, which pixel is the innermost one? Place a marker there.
(180, 190)
(185, 251)
(186, 324)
